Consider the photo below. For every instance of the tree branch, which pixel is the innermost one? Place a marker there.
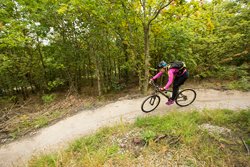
(141, 3)
(158, 11)
(245, 52)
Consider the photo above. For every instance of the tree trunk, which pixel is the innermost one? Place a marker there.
(146, 59)
(98, 77)
(43, 65)
(90, 75)
(97, 69)
(79, 80)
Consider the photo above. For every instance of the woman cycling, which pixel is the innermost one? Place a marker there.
(177, 74)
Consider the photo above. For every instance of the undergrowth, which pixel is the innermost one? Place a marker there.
(175, 139)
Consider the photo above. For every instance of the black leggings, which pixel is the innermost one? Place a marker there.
(178, 81)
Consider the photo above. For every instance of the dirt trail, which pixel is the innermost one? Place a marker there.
(57, 136)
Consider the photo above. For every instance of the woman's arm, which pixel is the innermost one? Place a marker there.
(170, 79)
(159, 74)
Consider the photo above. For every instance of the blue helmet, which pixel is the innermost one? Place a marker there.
(162, 64)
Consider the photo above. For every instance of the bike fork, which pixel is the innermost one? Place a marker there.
(152, 100)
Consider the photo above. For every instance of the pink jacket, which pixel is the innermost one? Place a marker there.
(171, 74)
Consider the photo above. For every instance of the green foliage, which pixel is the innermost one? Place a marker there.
(56, 83)
(229, 72)
(13, 135)
(148, 135)
(40, 122)
(168, 122)
(93, 147)
(48, 98)
(248, 142)
(241, 84)
(51, 44)
(47, 160)
(236, 120)
(117, 86)
(92, 142)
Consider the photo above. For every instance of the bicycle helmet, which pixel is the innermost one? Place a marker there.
(162, 64)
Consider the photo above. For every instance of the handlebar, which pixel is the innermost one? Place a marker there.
(157, 87)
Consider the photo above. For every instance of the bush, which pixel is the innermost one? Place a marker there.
(48, 98)
(117, 86)
(242, 84)
(56, 83)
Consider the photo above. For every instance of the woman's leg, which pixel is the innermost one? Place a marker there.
(177, 83)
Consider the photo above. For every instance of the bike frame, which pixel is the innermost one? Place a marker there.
(157, 90)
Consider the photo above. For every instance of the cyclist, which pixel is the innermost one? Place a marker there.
(177, 74)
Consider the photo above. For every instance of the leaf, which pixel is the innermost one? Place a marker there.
(62, 9)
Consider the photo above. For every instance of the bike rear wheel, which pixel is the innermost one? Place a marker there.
(150, 103)
(185, 97)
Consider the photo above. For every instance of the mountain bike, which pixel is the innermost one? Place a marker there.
(184, 98)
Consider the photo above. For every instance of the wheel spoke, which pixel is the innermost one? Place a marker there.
(185, 97)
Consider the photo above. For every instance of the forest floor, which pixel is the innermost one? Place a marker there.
(25, 128)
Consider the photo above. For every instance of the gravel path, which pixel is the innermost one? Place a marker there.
(60, 134)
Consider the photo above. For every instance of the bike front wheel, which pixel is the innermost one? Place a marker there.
(150, 103)
(185, 97)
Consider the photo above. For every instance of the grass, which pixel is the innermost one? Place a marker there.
(180, 141)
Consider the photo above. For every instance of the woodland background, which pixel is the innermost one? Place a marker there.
(55, 45)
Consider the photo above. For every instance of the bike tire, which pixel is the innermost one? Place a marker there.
(184, 95)
(153, 100)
